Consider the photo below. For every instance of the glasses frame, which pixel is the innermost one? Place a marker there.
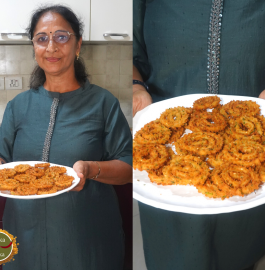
(52, 37)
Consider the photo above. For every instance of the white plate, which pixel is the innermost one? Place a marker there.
(69, 171)
(187, 199)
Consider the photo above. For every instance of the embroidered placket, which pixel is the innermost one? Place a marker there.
(214, 41)
(47, 142)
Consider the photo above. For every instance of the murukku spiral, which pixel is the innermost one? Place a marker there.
(201, 143)
(153, 133)
(235, 109)
(207, 122)
(206, 103)
(184, 170)
(148, 157)
(245, 127)
(175, 117)
(228, 181)
(245, 153)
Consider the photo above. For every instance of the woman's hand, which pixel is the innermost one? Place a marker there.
(141, 98)
(2, 161)
(262, 94)
(82, 169)
(112, 172)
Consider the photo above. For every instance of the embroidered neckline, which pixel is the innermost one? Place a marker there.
(48, 138)
(214, 42)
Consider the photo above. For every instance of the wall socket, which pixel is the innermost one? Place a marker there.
(13, 83)
(2, 83)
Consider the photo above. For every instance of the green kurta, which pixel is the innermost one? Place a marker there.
(75, 230)
(170, 51)
(171, 39)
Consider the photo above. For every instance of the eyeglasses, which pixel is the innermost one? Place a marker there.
(61, 37)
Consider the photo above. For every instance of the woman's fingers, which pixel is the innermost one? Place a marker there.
(262, 94)
(80, 169)
(80, 175)
(141, 98)
(80, 185)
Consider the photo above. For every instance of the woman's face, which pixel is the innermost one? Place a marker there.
(56, 58)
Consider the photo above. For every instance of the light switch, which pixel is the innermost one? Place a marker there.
(13, 83)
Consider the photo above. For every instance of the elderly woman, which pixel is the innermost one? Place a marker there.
(66, 120)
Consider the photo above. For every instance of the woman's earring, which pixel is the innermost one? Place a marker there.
(77, 56)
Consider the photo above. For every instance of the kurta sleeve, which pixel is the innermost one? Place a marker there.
(7, 134)
(117, 135)
(140, 57)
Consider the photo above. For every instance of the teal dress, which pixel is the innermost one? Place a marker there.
(75, 230)
(171, 52)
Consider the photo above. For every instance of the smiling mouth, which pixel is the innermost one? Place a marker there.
(52, 59)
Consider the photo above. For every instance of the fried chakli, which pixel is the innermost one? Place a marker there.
(228, 181)
(245, 153)
(175, 117)
(22, 168)
(207, 121)
(184, 170)
(235, 109)
(206, 103)
(245, 127)
(9, 173)
(52, 175)
(42, 183)
(42, 165)
(9, 184)
(37, 172)
(64, 182)
(148, 157)
(57, 169)
(153, 133)
(201, 143)
(44, 191)
(25, 190)
(24, 178)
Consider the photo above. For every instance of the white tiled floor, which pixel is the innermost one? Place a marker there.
(138, 254)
